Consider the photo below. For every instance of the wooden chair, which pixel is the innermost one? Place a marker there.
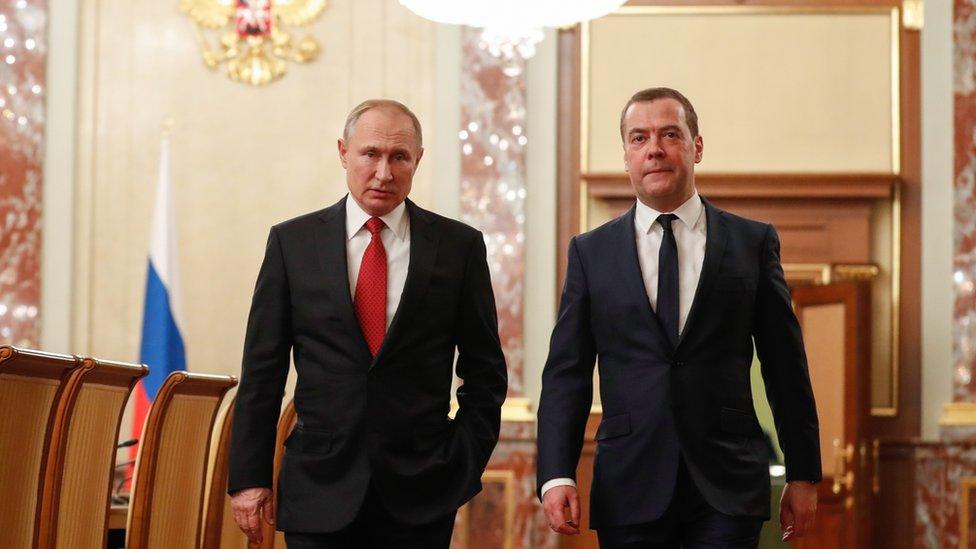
(167, 492)
(33, 390)
(81, 463)
(271, 538)
(220, 531)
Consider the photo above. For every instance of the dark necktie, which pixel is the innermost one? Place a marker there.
(667, 280)
(370, 300)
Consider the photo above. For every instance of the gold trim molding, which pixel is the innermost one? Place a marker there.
(856, 272)
(749, 10)
(518, 409)
(825, 273)
(958, 414)
(506, 478)
(895, 93)
(895, 352)
(966, 486)
(515, 409)
(809, 273)
(913, 14)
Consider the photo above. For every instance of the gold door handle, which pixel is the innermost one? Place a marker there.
(843, 472)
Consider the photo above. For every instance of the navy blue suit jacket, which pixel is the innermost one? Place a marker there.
(694, 400)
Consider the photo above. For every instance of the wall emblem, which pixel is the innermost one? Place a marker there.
(254, 37)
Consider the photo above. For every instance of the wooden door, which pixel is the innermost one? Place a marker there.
(835, 320)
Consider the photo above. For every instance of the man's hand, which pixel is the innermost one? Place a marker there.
(249, 505)
(554, 502)
(797, 509)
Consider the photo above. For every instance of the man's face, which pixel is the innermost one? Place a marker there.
(380, 158)
(660, 154)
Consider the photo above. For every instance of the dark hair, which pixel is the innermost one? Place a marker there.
(653, 94)
(380, 103)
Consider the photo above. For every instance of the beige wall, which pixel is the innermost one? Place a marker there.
(540, 219)
(937, 214)
(243, 158)
(57, 244)
(823, 82)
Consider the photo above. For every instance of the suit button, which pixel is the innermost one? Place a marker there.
(679, 364)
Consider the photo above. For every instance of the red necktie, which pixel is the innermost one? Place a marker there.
(370, 297)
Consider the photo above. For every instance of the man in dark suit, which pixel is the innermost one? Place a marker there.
(372, 296)
(670, 297)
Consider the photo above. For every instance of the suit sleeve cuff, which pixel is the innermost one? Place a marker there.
(556, 482)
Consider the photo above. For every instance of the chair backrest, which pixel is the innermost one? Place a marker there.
(34, 388)
(74, 510)
(167, 491)
(220, 531)
(286, 423)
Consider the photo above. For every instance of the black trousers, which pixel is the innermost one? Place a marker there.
(375, 528)
(689, 522)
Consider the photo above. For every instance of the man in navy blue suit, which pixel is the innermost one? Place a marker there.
(671, 296)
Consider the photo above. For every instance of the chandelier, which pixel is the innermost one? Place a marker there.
(511, 27)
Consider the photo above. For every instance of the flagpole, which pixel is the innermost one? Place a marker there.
(161, 348)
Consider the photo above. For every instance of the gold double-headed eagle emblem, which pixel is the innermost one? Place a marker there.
(254, 38)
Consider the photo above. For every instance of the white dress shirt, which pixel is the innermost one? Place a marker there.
(396, 241)
(689, 235)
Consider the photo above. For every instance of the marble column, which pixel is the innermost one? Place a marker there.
(23, 31)
(492, 140)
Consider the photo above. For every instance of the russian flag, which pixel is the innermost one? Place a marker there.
(162, 345)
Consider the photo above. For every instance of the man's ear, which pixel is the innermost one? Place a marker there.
(699, 148)
(342, 151)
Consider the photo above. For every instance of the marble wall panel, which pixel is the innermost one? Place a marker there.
(509, 495)
(492, 195)
(943, 472)
(964, 237)
(23, 39)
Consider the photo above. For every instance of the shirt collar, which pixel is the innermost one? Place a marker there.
(690, 213)
(396, 220)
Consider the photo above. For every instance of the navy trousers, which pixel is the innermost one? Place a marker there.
(689, 522)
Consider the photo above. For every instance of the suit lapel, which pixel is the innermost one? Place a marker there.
(423, 253)
(716, 235)
(629, 267)
(331, 245)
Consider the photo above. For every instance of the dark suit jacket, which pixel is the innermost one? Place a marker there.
(360, 419)
(694, 399)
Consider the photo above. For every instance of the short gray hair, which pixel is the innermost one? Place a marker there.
(380, 103)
